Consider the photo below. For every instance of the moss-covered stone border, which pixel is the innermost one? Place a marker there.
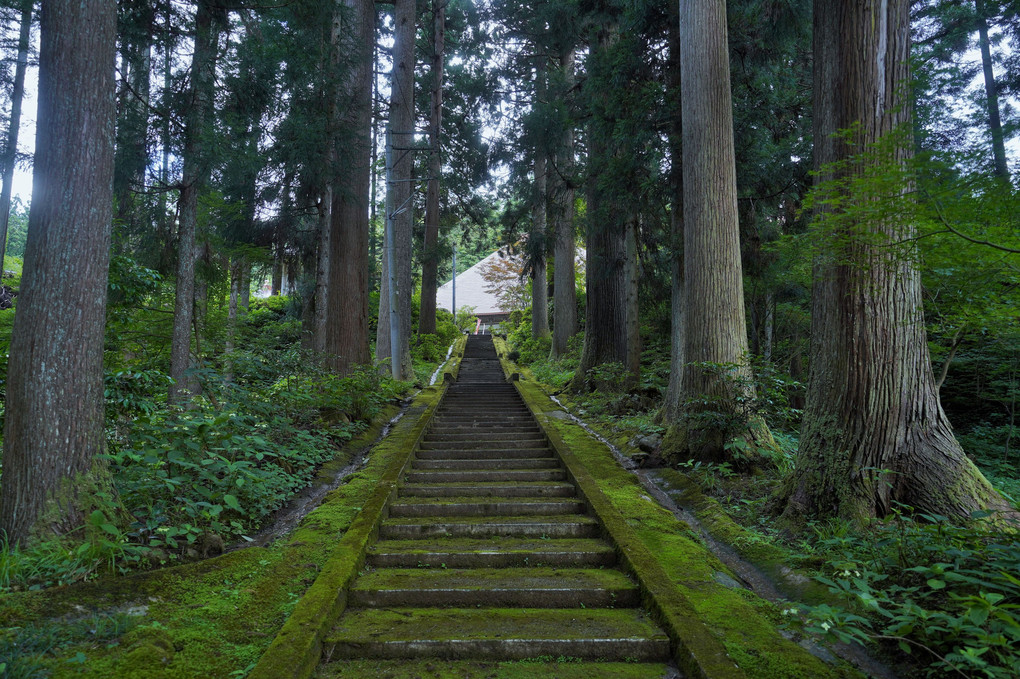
(297, 648)
(695, 648)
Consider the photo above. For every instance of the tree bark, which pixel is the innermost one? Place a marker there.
(133, 119)
(322, 258)
(11, 149)
(715, 331)
(228, 349)
(196, 173)
(53, 432)
(607, 286)
(399, 194)
(671, 406)
(564, 290)
(430, 256)
(874, 432)
(539, 282)
(347, 331)
(991, 93)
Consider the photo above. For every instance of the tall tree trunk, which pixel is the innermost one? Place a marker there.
(874, 432)
(399, 194)
(672, 403)
(322, 256)
(991, 93)
(347, 331)
(245, 293)
(235, 290)
(133, 121)
(53, 433)
(715, 330)
(539, 282)
(564, 290)
(195, 176)
(430, 256)
(11, 148)
(632, 275)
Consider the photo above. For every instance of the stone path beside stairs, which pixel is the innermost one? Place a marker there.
(488, 552)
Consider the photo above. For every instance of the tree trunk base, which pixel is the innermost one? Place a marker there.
(751, 451)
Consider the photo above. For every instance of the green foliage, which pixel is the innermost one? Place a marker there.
(947, 592)
(21, 648)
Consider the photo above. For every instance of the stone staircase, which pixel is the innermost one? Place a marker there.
(487, 552)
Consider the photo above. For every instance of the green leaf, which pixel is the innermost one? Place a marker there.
(111, 529)
(978, 615)
(905, 647)
(935, 583)
(232, 502)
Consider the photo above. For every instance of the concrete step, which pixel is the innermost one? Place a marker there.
(497, 634)
(491, 553)
(481, 506)
(568, 526)
(481, 442)
(500, 489)
(483, 435)
(524, 475)
(539, 587)
(516, 463)
(496, 427)
(487, 454)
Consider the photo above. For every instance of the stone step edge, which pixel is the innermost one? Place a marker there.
(296, 650)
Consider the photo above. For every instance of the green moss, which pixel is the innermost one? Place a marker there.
(218, 615)
(539, 668)
(679, 571)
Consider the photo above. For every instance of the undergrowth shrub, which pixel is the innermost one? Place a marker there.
(946, 592)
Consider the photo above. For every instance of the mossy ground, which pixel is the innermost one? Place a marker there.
(747, 625)
(539, 668)
(212, 618)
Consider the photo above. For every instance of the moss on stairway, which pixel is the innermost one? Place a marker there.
(746, 625)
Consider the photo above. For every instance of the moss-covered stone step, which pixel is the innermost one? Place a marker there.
(482, 506)
(485, 454)
(496, 552)
(540, 587)
(486, 434)
(488, 463)
(484, 634)
(526, 475)
(482, 441)
(493, 452)
(542, 667)
(460, 417)
(497, 489)
(575, 526)
(501, 413)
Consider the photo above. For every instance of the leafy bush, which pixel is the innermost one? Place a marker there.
(185, 474)
(948, 592)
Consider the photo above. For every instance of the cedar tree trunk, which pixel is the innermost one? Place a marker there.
(430, 256)
(53, 432)
(874, 431)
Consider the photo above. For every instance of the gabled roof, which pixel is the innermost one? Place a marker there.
(471, 290)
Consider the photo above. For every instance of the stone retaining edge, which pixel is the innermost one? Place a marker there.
(297, 649)
(696, 650)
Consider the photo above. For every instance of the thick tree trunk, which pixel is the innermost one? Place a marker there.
(196, 172)
(430, 256)
(347, 331)
(133, 120)
(606, 236)
(539, 282)
(228, 349)
(564, 290)
(399, 198)
(322, 257)
(53, 432)
(874, 432)
(244, 298)
(14, 126)
(991, 93)
(715, 331)
(671, 405)
(632, 276)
